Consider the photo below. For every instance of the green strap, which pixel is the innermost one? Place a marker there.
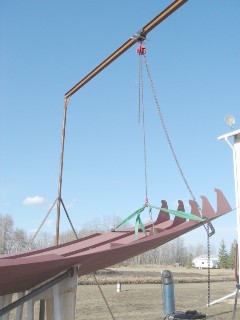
(180, 214)
(131, 216)
(140, 224)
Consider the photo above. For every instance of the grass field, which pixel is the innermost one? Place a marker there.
(144, 301)
(141, 294)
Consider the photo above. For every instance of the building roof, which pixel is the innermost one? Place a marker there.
(205, 256)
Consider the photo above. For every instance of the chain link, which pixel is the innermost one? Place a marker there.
(168, 137)
(179, 167)
(209, 275)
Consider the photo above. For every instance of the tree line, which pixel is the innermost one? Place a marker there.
(174, 252)
(227, 259)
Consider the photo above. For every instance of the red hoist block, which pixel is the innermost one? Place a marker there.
(141, 50)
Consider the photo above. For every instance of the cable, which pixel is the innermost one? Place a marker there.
(141, 108)
(94, 276)
(44, 220)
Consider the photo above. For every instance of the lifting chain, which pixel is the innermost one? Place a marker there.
(209, 225)
(209, 274)
(171, 146)
(141, 50)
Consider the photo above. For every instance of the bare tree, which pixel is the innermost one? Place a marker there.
(6, 232)
(43, 240)
(67, 236)
(19, 241)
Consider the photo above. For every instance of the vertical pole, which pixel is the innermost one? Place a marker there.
(236, 163)
(42, 309)
(168, 292)
(1, 302)
(236, 167)
(7, 299)
(56, 299)
(19, 310)
(30, 309)
(49, 309)
(67, 296)
(66, 100)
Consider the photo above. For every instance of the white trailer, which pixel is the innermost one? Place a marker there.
(201, 262)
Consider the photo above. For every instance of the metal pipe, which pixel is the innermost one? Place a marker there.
(66, 100)
(36, 292)
(74, 231)
(236, 164)
(221, 299)
(168, 292)
(128, 44)
(236, 168)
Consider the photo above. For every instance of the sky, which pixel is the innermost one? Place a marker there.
(48, 46)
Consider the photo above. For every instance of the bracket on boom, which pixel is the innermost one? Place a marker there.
(138, 36)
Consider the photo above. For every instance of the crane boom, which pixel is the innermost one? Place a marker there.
(141, 35)
(129, 43)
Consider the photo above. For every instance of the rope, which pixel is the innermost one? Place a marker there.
(140, 89)
(141, 104)
(44, 220)
(151, 219)
(99, 287)
(103, 296)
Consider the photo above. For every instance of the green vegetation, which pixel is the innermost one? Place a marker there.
(227, 260)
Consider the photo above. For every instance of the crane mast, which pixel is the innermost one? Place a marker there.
(139, 36)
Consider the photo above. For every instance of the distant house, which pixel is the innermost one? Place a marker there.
(201, 262)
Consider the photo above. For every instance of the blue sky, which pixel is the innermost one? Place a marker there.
(47, 47)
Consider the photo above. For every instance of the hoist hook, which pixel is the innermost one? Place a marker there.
(146, 203)
(141, 50)
(212, 230)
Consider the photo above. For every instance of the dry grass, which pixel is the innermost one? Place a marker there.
(152, 275)
(144, 301)
(141, 295)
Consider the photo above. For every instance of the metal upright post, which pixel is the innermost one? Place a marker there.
(66, 100)
(236, 160)
(236, 166)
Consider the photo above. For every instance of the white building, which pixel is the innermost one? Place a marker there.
(201, 262)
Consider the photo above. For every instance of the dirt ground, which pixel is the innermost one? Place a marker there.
(141, 294)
